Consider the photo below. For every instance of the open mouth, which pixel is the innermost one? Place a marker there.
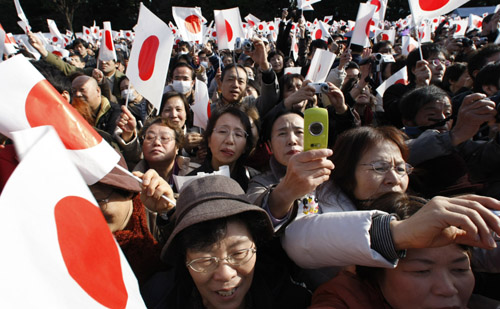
(226, 293)
(227, 152)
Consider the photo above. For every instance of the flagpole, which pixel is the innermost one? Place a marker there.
(126, 99)
(126, 171)
(419, 43)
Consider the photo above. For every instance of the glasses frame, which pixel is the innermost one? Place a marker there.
(170, 138)
(217, 260)
(408, 168)
(216, 130)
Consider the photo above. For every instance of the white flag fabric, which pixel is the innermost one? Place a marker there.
(433, 8)
(294, 48)
(150, 55)
(3, 37)
(201, 106)
(71, 259)
(189, 23)
(381, 5)
(20, 13)
(321, 31)
(320, 66)
(388, 35)
(475, 22)
(30, 101)
(252, 20)
(107, 49)
(361, 33)
(461, 27)
(57, 38)
(408, 44)
(400, 77)
(228, 27)
(306, 4)
(293, 70)
(425, 33)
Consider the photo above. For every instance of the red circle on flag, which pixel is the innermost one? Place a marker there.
(209, 111)
(127, 33)
(45, 106)
(89, 251)
(432, 5)
(271, 28)
(377, 3)
(261, 27)
(435, 20)
(174, 31)
(421, 34)
(108, 40)
(55, 39)
(214, 34)
(193, 24)
(244, 25)
(147, 57)
(385, 37)
(326, 20)
(318, 34)
(87, 31)
(293, 27)
(229, 31)
(251, 23)
(401, 81)
(368, 25)
(458, 28)
(95, 30)
(479, 24)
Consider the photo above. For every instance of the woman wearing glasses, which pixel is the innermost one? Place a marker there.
(219, 256)
(228, 140)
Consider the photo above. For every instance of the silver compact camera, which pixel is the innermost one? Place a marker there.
(320, 87)
(248, 46)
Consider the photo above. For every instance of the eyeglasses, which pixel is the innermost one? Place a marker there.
(165, 139)
(209, 264)
(436, 62)
(237, 133)
(103, 201)
(382, 167)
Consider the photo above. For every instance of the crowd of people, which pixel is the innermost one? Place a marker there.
(395, 213)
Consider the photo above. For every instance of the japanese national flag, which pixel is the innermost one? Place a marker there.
(461, 27)
(150, 55)
(381, 5)
(228, 27)
(364, 21)
(30, 101)
(23, 40)
(201, 107)
(189, 23)
(321, 31)
(57, 38)
(425, 33)
(408, 44)
(252, 20)
(400, 77)
(107, 50)
(294, 48)
(475, 22)
(20, 13)
(320, 66)
(306, 4)
(69, 259)
(433, 8)
(388, 35)
(262, 27)
(327, 19)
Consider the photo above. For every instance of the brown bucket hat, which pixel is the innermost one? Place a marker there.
(210, 198)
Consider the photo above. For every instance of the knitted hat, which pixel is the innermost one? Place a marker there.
(210, 198)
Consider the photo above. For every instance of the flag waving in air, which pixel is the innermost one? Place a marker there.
(189, 23)
(107, 49)
(433, 8)
(228, 27)
(30, 101)
(71, 259)
(364, 21)
(150, 55)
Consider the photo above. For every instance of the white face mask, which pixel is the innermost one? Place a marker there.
(183, 53)
(131, 94)
(205, 64)
(182, 86)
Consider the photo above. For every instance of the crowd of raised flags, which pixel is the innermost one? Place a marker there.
(29, 103)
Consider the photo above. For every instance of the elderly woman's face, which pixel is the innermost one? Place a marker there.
(174, 112)
(159, 144)
(287, 137)
(228, 140)
(370, 183)
(227, 285)
(429, 278)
